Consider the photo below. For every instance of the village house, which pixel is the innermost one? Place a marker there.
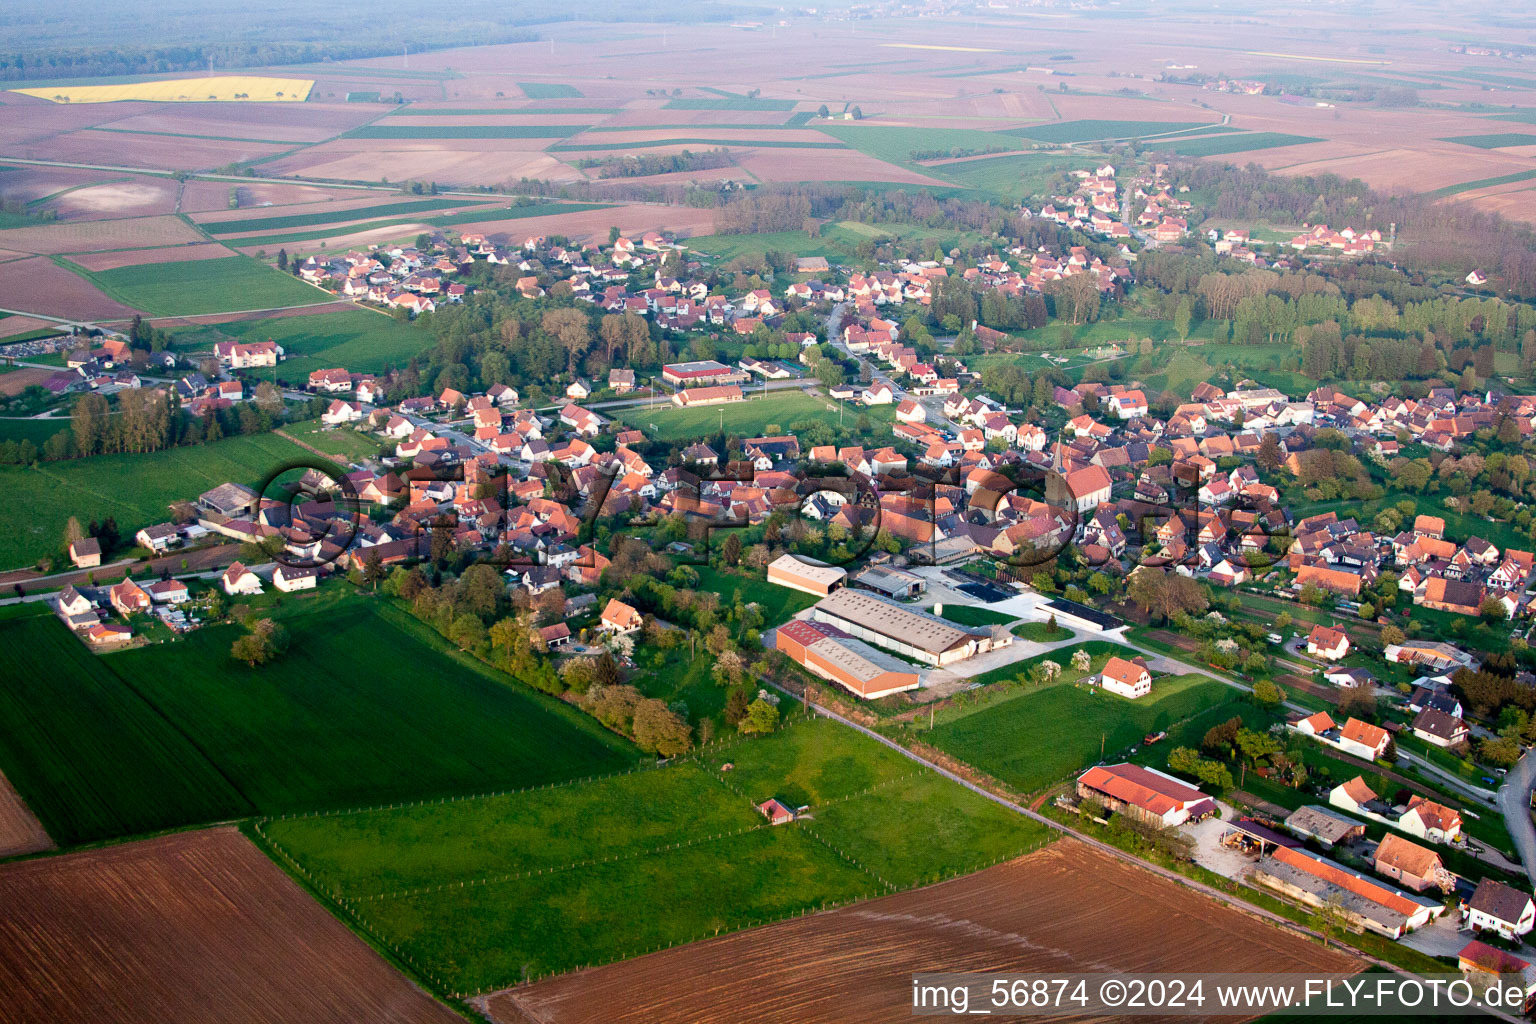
(1328, 643)
(85, 553)
(238, 580)
(1501, 909)
(619, 617)
(1128, 678)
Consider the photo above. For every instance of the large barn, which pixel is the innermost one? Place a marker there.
(915, 634)
(832, 654)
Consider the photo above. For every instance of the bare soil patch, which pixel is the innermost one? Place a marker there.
(193, 927)
(1067, 908)
(41, 286)
(95, 235)
(135, 257)
(20, 831)
(17, 381)
(137, 197)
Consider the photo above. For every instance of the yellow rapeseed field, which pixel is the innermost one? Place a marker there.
(241, 88)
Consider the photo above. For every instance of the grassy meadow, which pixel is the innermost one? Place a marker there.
(225, 285)
(483, 891)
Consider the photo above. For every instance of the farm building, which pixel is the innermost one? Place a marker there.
(890, 581)
(1129, 678)
(1365, 902)
(887, 624)
(1499, 908)
(799, 574)
(1328, 828)
(1429, 653)
(700, 372)
(826, 651)
(1483, 965)
(1411, 865)
(1144, 794)
(228, 500)
(689, 398)
(776, 811)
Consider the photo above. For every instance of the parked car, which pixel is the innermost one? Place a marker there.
(1275, 638)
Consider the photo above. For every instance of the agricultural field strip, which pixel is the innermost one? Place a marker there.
(305, 220)
(577, 147)
(465, 131)
(485, 216)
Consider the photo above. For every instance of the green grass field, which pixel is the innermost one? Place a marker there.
(135, 489)
(305, 220)
(92, 758)
(1499, 140)
(895, 145)
(729, 103)
(358, 339)
(1012, 177)
(634, 862)
(777, 603)
(341, 443)
(691, 140)
(549, 91)
(970, 615)
(1092, 131)
(1041, 737)
(746, 419)
(368, 706)
(1246, 142)
(36, 431)
(223, 285)
(465, 131)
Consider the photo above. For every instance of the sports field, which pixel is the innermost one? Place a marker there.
(1043, 736)
(484, 892)
(367, 706)
(747, 419)
(226, 285)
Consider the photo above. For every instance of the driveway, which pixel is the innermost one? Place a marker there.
(1441, 937)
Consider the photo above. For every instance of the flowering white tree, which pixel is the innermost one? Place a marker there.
(1081, 660)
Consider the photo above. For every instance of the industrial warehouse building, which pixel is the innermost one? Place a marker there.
(801, 574)
(927, 638)
(826, 651)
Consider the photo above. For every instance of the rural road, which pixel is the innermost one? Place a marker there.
(1514, 801)
(1226, 899)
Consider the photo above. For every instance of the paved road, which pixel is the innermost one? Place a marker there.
(1515, 802)
(1216, 894)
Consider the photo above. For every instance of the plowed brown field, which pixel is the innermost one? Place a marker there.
(1067, 908)
(193, 927)
(20, 831)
